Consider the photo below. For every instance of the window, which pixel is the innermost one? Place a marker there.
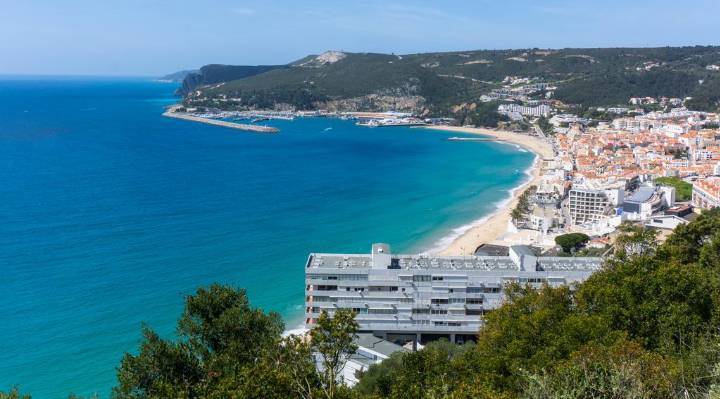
(382, 311)
(439, 301)
(438, 311)
(382, 288)
(474, 312)
(474, 301)
(457, 300)
(421, 278)
(437, 278)
(421, 311)
(326, 287)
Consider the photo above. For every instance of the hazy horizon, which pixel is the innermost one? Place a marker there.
(141, 39)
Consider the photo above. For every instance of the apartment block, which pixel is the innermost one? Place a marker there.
(419, 298)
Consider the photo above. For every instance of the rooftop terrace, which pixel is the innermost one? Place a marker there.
(427, 262)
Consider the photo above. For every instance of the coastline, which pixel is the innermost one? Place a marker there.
(495, 225)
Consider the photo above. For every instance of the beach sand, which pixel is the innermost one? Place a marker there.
(497, 224)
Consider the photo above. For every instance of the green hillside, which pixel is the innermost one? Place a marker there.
(435, 82)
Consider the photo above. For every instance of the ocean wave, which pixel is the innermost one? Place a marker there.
(457, 232)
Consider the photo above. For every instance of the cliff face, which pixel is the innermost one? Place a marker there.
(216, 73)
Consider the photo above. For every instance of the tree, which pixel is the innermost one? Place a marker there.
(571, 241)
(333, 340)
(635, 240)
(439, 370)
(221, 340)
(623, 370)
(532, 331)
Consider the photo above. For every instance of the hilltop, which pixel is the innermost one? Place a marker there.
(442, 84)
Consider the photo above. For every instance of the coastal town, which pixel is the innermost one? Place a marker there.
(590, 179)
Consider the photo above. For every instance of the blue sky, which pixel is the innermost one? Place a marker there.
(153, 37)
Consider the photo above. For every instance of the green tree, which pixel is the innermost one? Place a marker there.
(332, 338)
(571, 241)
(635, 240)
(221, 340)
(624, 370)
(532, 331)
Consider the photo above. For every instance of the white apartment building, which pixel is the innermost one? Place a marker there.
(589, 205)
(418, 298)
(540, 110)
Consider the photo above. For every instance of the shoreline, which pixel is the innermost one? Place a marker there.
(465, 239)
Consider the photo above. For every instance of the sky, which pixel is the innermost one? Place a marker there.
(156, 37)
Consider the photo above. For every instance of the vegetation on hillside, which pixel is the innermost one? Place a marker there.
(683, 189)
(443, 81)
(645, 326)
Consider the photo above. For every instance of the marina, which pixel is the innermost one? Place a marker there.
(173, 112)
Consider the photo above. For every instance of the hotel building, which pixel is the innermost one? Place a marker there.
(420, 298)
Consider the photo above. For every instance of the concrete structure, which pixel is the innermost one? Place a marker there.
(420, 298)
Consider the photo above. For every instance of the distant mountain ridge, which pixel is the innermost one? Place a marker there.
(443, 83)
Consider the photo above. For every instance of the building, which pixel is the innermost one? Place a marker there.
(371, 350)
(706, 193)
(420, 298)
(646, 201)
(540, 110)
(667, 222)
(588, 205)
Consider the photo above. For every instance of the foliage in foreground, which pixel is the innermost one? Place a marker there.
(227, 349)
(644, 327)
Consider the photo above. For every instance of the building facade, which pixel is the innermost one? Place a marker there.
(587, 205)
(706, 193)
(419, 298)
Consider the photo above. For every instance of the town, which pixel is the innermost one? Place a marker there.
(655, 169)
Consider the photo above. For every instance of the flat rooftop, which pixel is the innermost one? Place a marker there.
(425, 262)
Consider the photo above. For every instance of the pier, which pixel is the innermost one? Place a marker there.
(171, 113)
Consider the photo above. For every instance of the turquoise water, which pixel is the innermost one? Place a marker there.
(110, 213)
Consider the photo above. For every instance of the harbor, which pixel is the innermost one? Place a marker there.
(174, 112)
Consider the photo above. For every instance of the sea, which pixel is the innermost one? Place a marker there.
(110, 214)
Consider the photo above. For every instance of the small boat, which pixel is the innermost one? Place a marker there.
(327, 129)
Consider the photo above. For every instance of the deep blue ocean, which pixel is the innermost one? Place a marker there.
(110, 213)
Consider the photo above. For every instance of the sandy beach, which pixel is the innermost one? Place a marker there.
(497, 224)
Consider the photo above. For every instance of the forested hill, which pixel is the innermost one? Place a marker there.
(436, 83)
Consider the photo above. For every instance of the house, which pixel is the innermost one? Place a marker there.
(371, 350)
(669, 222)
